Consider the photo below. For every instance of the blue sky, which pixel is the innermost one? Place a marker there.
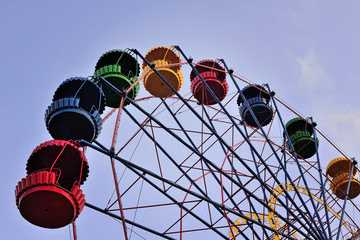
(306, 50)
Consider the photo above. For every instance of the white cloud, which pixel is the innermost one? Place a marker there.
(313, 75)
(322, 100)
(314, 88)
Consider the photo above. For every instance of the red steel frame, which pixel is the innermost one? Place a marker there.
(307, 167)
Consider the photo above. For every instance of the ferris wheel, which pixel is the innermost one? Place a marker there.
(223, 159)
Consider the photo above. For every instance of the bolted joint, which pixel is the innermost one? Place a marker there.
(112, 152)
(354, 161)
(134, 51)
(97, 79)
(80, 142)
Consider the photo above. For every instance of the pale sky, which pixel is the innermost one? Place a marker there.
(307, 51)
